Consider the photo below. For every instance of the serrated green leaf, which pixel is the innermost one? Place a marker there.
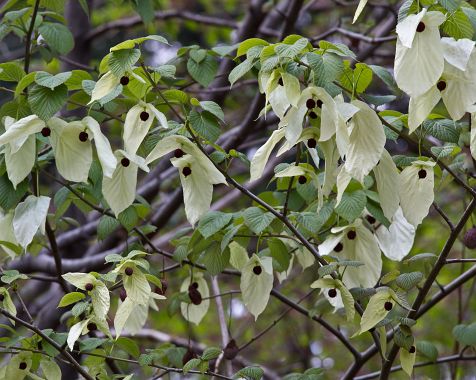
(57, 36)
(352, 205)
(123, 60)
(407, 281)
(257, 219)
(51, 81)
(45, 102)
(213, 222)
(203, 72)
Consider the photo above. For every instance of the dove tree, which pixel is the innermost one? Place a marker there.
(282, 176)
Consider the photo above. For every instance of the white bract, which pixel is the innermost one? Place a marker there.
(81, 328)
(325, 108)
(396, 241)
(355, 242)
(416, 191)
(419, 57)
(256, 284)
(136, 128)
(99, 293)
(131, 316)
(19, 146)
(120, 189)
(108, 83)
(29, 217)
(7, 235)
(342, 299)
(71, 143)
(197, 173)
(191, 312)
(366, 142)
(387, 178)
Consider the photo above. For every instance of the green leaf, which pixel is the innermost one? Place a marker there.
(12, 275)
(257, 219)
(51, 81)
(280, 254)
(205, 125)
(211, 353)
(128, 218)
(358, 79)
(9, 196)
(291, 51)
(427, 349)
(11, 72)
(249, 373)
(70, 298)
(446, 150)
(213, 108)
(45, 102)
(458, 25)
(215, 260)
(326, 68)
(90, 344)
(203, 72)
(406, 281)
(24, 83)
(213, 222)
(442, 129)
(336, 48)
(129, 44)
(191, 364)
(407, 360)
(248, 44)
(57, 36)
(386, 77)
(352, 205)
(128, 345)
(121, 61)
(145, 8)
(465, 334)
(107, 225)
(240, 70)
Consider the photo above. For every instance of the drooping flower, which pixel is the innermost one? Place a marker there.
(396, 241)
(419, 58)
(313, 101)
(131, 316)
(97, 290)
(71, 143)
(387, 179)
(456, 86)
(29, 218)
(416, 190)
(366, 142)
(355, 242)
(256, 283)
(119, 190)
(194, 312)
(109, 82)
(197, 173)
(138, 122)
(19, 146)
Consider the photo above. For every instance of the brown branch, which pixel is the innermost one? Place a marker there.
(130, 22)
(56, 255)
